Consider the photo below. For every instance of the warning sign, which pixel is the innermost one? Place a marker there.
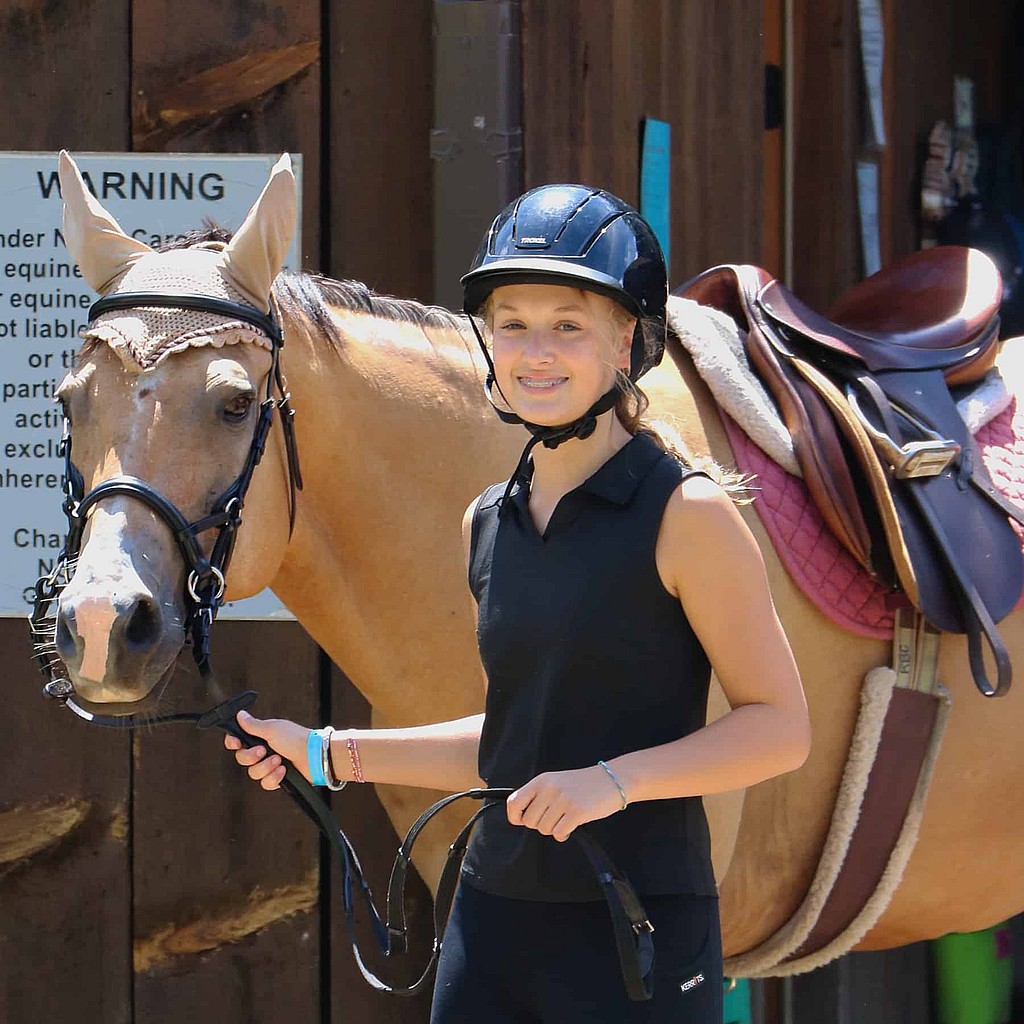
(44, 302)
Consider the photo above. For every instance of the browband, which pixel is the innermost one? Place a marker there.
(201, 303)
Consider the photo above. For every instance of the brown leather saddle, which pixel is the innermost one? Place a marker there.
(885, 455)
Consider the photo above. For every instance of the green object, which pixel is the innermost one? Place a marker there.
(736, 1002)
(973, 976)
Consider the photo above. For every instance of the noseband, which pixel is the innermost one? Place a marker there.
(205, 580)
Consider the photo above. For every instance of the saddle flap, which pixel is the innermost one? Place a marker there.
(734, 290)
(818, 449)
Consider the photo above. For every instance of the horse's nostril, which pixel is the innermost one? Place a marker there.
(143, 627)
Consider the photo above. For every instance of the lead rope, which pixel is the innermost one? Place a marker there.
(631, 927)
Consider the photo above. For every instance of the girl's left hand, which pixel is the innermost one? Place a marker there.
(556, 803)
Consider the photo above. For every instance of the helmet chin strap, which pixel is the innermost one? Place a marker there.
(551, 437)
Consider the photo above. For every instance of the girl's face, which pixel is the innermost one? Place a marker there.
(556, 349)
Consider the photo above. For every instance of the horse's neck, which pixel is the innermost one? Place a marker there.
(396, 439)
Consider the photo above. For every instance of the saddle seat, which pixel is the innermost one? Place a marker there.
(933, 309)
(864, 393)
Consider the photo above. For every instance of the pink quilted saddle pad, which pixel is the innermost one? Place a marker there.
(823, 569)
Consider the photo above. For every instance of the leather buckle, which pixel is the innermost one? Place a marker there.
(59, 689)
(643, 926)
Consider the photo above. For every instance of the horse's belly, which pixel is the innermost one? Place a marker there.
(785, 819)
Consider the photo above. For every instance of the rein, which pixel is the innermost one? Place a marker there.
(205, 588)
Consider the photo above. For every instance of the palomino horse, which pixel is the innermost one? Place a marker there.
(396, 438)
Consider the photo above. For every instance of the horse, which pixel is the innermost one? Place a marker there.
(396, 437)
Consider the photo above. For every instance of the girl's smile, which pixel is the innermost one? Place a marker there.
(542, 383)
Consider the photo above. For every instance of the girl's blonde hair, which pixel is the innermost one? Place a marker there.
(630, 409)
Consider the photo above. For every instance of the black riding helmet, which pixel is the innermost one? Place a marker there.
(585, 238)
(582, 237)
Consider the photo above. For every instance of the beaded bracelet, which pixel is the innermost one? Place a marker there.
(353, 757)
(618, 785)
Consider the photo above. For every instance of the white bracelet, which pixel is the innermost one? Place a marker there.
(325, 760)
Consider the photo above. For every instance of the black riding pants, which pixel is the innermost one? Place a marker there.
(507, 961)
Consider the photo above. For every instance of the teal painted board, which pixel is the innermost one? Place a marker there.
(655, 178)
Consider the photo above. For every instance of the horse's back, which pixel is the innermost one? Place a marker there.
(967, 836)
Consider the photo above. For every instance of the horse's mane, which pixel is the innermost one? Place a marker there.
(311, 295)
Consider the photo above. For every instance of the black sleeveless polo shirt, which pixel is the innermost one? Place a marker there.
(587, 657)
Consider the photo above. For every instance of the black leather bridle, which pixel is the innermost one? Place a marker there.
(204, 596)
(205, 580)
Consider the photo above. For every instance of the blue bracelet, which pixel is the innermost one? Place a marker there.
(618, 785)
(316, 765)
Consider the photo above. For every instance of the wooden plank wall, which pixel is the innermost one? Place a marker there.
(379, 103)
(248, 82)
(929, 46)
(592, 69)
(825, 138)
(873, 987)
(65, 859)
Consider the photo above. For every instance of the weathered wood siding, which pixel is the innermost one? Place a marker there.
(926, 45)
(65, 795)
(593, 69)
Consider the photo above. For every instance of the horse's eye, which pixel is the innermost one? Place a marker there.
(238, 408)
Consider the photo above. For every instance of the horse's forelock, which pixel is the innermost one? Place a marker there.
(211, 231)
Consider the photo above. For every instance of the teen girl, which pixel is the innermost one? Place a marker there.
(610, 578)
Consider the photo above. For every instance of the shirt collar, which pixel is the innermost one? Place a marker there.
(616, 481)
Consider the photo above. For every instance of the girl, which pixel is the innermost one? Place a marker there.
(610, 578)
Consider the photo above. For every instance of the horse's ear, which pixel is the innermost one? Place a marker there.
(95, 240)
(258, 250)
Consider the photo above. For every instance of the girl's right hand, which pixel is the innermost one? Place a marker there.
(288, 739)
